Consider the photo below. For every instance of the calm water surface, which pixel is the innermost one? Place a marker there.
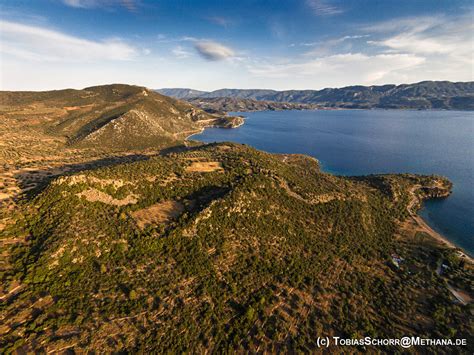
(358, 142)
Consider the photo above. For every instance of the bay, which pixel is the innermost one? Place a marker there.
(360, 142)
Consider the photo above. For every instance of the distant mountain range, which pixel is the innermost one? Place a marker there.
(424, 95)
(220, 105)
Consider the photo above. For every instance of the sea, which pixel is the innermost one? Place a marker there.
(361, 142)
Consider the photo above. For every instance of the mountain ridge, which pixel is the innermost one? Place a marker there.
(116, 116)
(421, 95)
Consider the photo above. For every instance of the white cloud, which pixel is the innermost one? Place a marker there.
(180, 53)
(89, 4)
(42, 44)
(80, 3)
(340, 69)
(400, 50)
(446, 44)
(438, 39)
(332, 46)
(323, 8)
(213, 51)
(406, 24)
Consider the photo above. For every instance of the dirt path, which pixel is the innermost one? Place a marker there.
(461, 296)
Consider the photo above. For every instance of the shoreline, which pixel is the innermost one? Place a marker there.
(426, 228)
(417, 219)
(202, 129)
(193, 134)
(423, 225)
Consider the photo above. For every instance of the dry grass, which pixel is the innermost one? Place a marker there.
(204, 167)
(93, 195)
(159, 213)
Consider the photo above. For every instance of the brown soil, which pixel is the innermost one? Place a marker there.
(160, 213)
(205, 167)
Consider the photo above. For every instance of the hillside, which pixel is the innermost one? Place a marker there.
(223, 247)
(424, 95)
(230, 104)
(109, 117)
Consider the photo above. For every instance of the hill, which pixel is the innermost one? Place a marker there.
(424, 95)
(180, 93)
(230, 104)
(110, 116)
(225, 248)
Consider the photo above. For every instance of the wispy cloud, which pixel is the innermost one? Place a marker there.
(180, 52)
(43, 44)
(406, 24)
(400, 50)
(436, 38)
(131, 5)
(331, 41)
(213, 51)
(220, 20)
(333, 46)
(323, 7)
(351, 67)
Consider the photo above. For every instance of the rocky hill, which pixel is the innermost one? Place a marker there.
(423, 95)
(111, 116)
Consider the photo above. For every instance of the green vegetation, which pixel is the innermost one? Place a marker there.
(111, 117)
(232, 104)
(266, 253)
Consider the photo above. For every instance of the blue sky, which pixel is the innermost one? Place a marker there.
(211, 44)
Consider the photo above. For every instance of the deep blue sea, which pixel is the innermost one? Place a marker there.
(359, 142)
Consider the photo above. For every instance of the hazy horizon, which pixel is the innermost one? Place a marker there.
(228, 88)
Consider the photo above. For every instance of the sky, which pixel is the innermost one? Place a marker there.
(213, 44)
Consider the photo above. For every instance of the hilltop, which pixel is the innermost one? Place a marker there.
(423, 95)
(109, 117)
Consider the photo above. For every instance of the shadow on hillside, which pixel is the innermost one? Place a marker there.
(34, 181)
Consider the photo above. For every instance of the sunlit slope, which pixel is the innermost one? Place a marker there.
(220, 247)
(111, 116)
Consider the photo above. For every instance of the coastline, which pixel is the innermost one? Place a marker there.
(418, 222)
(193, 134)
(199, 131)
(423, 226)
